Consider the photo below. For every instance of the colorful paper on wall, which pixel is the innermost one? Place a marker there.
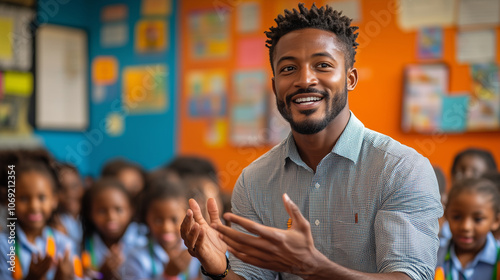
(454, 113)
(484, 111)
(248, 17)
(476, 46)
(430, 43)
(156, 7)
(216, 134)
(208, 35)
(151, 36)
(424, 87)
(115, 124)
(18, 83)
(144, 88)
(248, 115)
(118, 12)
(104, 70)
(251, 52)
(6, 31)
(114, 35)
(207, 93)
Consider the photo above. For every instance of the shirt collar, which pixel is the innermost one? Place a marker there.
(487, 255)
(348, 145)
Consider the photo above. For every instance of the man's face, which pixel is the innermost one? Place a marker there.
(310, 82)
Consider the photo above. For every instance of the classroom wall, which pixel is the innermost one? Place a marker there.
(148, 138)
(377, 100)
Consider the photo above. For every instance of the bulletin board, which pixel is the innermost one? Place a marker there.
(61, 66)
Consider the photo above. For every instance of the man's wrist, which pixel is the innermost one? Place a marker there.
(217, 276)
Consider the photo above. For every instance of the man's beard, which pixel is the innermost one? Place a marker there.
(333, 109)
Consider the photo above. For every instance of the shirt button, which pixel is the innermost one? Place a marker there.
(316, 222)
(317, 185)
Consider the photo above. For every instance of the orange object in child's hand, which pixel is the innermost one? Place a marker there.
(78, 269)
(86, 261)
(439, 274)
(51, 247)
(18, 272)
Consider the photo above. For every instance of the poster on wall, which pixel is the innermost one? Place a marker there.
(145, 89)
(207, 93)
(208, 35)
(16, 43)
(156, 7)
(484, 110)
(425, 84)
(248, 108)
(151, 36)
(430, 43)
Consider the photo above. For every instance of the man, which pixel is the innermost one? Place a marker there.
(366, 207)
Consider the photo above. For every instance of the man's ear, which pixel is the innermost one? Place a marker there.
(352, 78)
(274, 86)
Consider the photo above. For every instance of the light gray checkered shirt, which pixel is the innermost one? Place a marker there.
(373, 203)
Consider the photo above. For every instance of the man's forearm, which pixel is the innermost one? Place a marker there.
(330, 270)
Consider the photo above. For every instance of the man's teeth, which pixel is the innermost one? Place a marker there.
(307, 99)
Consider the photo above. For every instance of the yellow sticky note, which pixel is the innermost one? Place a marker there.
(6, 25)
(18, 83)
(104, 70)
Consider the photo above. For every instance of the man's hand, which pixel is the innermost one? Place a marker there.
(203, 241)
(290, 251)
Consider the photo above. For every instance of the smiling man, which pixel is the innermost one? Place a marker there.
(356, 204)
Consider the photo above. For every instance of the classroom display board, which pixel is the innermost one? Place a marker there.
(16, 73)
(61, 101)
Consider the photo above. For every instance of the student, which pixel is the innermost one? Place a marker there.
(131, 175)
(472, 211)
(70, 199)
(108, 231)
(40, 250)
(356, 204)
(165, 256)
(495, 178)
(444, 229)
(472, 163)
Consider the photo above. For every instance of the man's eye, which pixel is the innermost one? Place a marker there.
(287, 69)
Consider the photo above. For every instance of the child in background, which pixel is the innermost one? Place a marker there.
(165, 256)
(472, 211)
(108, 231)
(200, 178)
(472, 163)
(444, 228)
(70, 198)
(40, 251)
(495, 178)
(131, 175)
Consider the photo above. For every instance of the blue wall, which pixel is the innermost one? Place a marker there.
(148, 139)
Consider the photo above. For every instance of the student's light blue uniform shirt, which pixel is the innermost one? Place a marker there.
(373, 203)
(481, 268)
(26, 249)
(131, 239)
(140, 261)
(74, 228)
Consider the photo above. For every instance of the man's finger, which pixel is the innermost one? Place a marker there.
(265, 232)
(192, 238)
(298, 221)
(198, 216)
(187, 224)
(213, 211)
(265, 250)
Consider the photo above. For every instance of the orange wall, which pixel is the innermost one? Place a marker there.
(383, 52)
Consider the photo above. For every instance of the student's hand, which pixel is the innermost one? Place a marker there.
(290, 251)
(112, 263)
(64, 268)
(203, 241)
(179, 262)
(39, 267)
